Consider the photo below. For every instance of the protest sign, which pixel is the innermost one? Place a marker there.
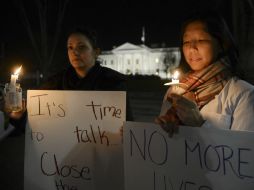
(194, 159)
(73, 140)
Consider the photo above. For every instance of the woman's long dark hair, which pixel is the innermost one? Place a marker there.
(216, 27)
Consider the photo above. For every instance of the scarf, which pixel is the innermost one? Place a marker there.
(202, 86)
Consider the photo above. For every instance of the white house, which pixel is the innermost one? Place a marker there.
(140, 59)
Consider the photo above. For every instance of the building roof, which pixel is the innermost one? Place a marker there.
(129, 47)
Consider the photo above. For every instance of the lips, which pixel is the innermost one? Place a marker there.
(195, 59)
(76, 60)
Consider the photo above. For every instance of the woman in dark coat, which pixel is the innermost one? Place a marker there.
(85, 72)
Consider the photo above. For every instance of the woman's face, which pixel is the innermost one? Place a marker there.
(200, 49)
(81, 54)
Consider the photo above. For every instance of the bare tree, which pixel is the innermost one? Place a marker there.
(43, 50)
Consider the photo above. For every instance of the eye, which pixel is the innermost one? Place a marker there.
(69, 47)
(204, 41)
(82, 47)
(186, 43)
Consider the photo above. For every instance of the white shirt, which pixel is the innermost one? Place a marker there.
(232, 108)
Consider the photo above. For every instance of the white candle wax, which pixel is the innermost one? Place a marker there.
(13, 93)
(175, 81)
(13, 80)
(14, 77)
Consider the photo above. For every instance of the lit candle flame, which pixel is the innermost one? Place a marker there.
(15, 77)
(175, 80)
(18, 70)
(175, 75)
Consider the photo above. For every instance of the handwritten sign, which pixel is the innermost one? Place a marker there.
(195, 159)
(73, 140)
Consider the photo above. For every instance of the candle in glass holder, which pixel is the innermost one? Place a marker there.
(13, 93)
(175, 80)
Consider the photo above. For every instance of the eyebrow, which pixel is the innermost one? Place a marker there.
(79, 43)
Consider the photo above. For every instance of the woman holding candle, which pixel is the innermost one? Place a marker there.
(84, 71)
(210, 93)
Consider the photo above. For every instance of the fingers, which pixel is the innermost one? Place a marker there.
(187, 111)
(169, 99)
(190, 117)
(182, 101)
(169, 127)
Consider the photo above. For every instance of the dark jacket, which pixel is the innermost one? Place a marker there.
(98, 78)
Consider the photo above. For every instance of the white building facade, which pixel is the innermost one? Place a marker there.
(140, 59)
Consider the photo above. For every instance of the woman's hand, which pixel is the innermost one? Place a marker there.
(169, 122)
(182, 112)
(187, 111)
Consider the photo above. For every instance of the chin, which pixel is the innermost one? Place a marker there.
(197, 68)
(77, 65)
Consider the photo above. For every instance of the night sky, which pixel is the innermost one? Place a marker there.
(123, 20)
(116, 22)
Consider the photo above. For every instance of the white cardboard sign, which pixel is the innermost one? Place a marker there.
(194, 159)
(73, 140)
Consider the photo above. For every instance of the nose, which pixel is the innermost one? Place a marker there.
(193, 44)
(75, 51)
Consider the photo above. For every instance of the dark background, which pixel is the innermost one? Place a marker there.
(116, 22)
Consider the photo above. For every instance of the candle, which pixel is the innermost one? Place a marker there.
(13, 93)
(13, 80)
(14, 77)
(175, 79)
